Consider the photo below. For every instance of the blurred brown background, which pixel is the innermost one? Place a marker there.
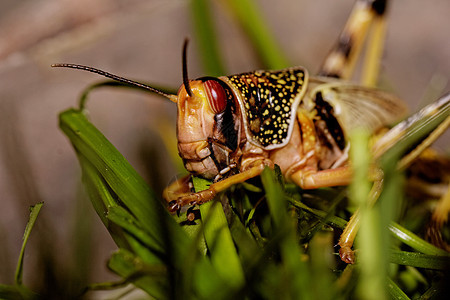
(142, 40)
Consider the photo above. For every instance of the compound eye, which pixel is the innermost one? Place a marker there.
(216, 95)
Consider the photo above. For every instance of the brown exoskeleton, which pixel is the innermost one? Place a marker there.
(230, 128)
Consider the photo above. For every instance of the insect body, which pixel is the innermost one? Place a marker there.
(238, 124)
(230, 128)
(257, 108)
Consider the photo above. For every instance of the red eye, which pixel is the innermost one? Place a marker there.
(216, 95)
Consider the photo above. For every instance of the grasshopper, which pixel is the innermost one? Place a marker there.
(231, 127)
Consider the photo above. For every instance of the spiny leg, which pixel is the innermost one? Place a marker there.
(217, 187)
(331, 177)
(347, 237)
(440, 108)
(341, 60)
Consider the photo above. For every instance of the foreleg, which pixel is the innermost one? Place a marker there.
(217, 187)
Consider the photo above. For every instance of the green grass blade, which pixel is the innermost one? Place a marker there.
(206, 282)
(414, 241)
(323, 215)
(246, 245)
(123, 180)
(322, 263)
(295, 279)
(217, 234)
(396, 230)
(150, 278)
(111, 179)
(419, 260)
(200, 184)
(205, 35)
(372, 264)
(395, 292)
(249, 16)
(34, 212)
(102, 198)
(223, 253)
(121, 217)
(275, 198)
(360, 158)
(138, 239)
(104, 203)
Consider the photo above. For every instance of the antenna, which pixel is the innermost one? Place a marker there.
(172, 98)
(185, 72)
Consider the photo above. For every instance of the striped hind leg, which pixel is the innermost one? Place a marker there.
(422, 129)
(366, 19)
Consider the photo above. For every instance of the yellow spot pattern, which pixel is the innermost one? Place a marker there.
(269, 99)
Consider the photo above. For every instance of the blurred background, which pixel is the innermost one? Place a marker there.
(142, 40)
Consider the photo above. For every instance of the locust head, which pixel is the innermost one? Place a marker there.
(208, 126)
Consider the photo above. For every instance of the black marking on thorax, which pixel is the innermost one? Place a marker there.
(269, 103)
(325, 112)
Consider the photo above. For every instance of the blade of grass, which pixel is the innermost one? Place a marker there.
(18, 290)
(246, 245)
(394, 291)
(249, 16)
(419, 260)
(295, 280)
(129, 187)
(371, 283)
(206, 37)
(223, 253)
(124, 234)
(139, 240)
(117, 183)
(206, 282)
(396, 230)
(103, 199)
(34, 212)
(322, 263)
(414, 241)
(326, 218)
(100, 194)
(123, 227)
(150, 278)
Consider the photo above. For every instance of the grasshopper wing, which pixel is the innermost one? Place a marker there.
(360, 107)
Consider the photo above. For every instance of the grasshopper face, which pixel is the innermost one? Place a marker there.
(208, 127)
